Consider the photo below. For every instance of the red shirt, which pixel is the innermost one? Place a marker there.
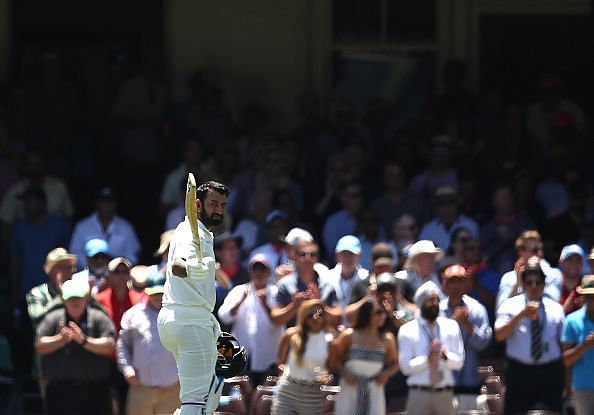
(577, 300)
(115, 309)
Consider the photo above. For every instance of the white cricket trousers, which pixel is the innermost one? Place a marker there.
(190, 334)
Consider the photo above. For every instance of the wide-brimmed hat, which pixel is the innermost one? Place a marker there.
(423, 246)
(587, 285)
(57, 255)
(164, 242)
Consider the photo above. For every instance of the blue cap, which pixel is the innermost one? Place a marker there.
(95, 247)
(569, 250)
(349, 243)
(276, 214)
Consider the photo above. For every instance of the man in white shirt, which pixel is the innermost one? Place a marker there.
(187, 327)
(247, 309)
(430, 349)
(528, 244)
(105, 224)
(347, 270)
(531, 325)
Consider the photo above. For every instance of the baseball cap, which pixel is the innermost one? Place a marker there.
(446, 192)
(155, 284)
(297, 235)
(570, 250)
(95, 247)
(276, 214)
(75, 288)
(34, 191)
(105, 193)
(113, 264)
(56, 255)
(386, 278)
(164, 242)
(81, 275)
(259, 259)
(349, 243)
(455, 271)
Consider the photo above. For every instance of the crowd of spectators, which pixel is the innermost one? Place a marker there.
(350, 212)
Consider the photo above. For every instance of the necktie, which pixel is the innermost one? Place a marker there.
(536, 346)
(434, 374)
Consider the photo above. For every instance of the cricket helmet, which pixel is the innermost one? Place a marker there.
(232, 357)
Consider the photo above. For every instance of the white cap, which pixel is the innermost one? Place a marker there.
(297, 235)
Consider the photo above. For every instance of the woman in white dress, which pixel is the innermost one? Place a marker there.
(302, 359)
(366, 357)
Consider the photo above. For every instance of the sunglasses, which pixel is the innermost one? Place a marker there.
(380, 312)
(121, 272)
(316, 313)
(308, 254)
(533, 283)
(259, 267)
(533, 249)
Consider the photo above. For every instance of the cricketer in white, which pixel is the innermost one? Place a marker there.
(187, 327)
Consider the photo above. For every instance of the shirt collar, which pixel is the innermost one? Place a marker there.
(204, 228)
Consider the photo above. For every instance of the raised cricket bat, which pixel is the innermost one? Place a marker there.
(192, 214)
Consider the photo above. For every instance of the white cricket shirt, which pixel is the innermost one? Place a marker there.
(190, 292)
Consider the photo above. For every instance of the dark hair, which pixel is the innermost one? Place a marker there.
(365, 314)
(454, 236)
(202, 190)
(343, 186)
(381, 250)
(533, 269)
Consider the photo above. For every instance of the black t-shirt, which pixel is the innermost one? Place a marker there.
(360, 290)
(72, 362)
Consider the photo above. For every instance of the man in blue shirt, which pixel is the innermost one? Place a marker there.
(476, 333)
(578, 354)
(31, 239)
(344, 221)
